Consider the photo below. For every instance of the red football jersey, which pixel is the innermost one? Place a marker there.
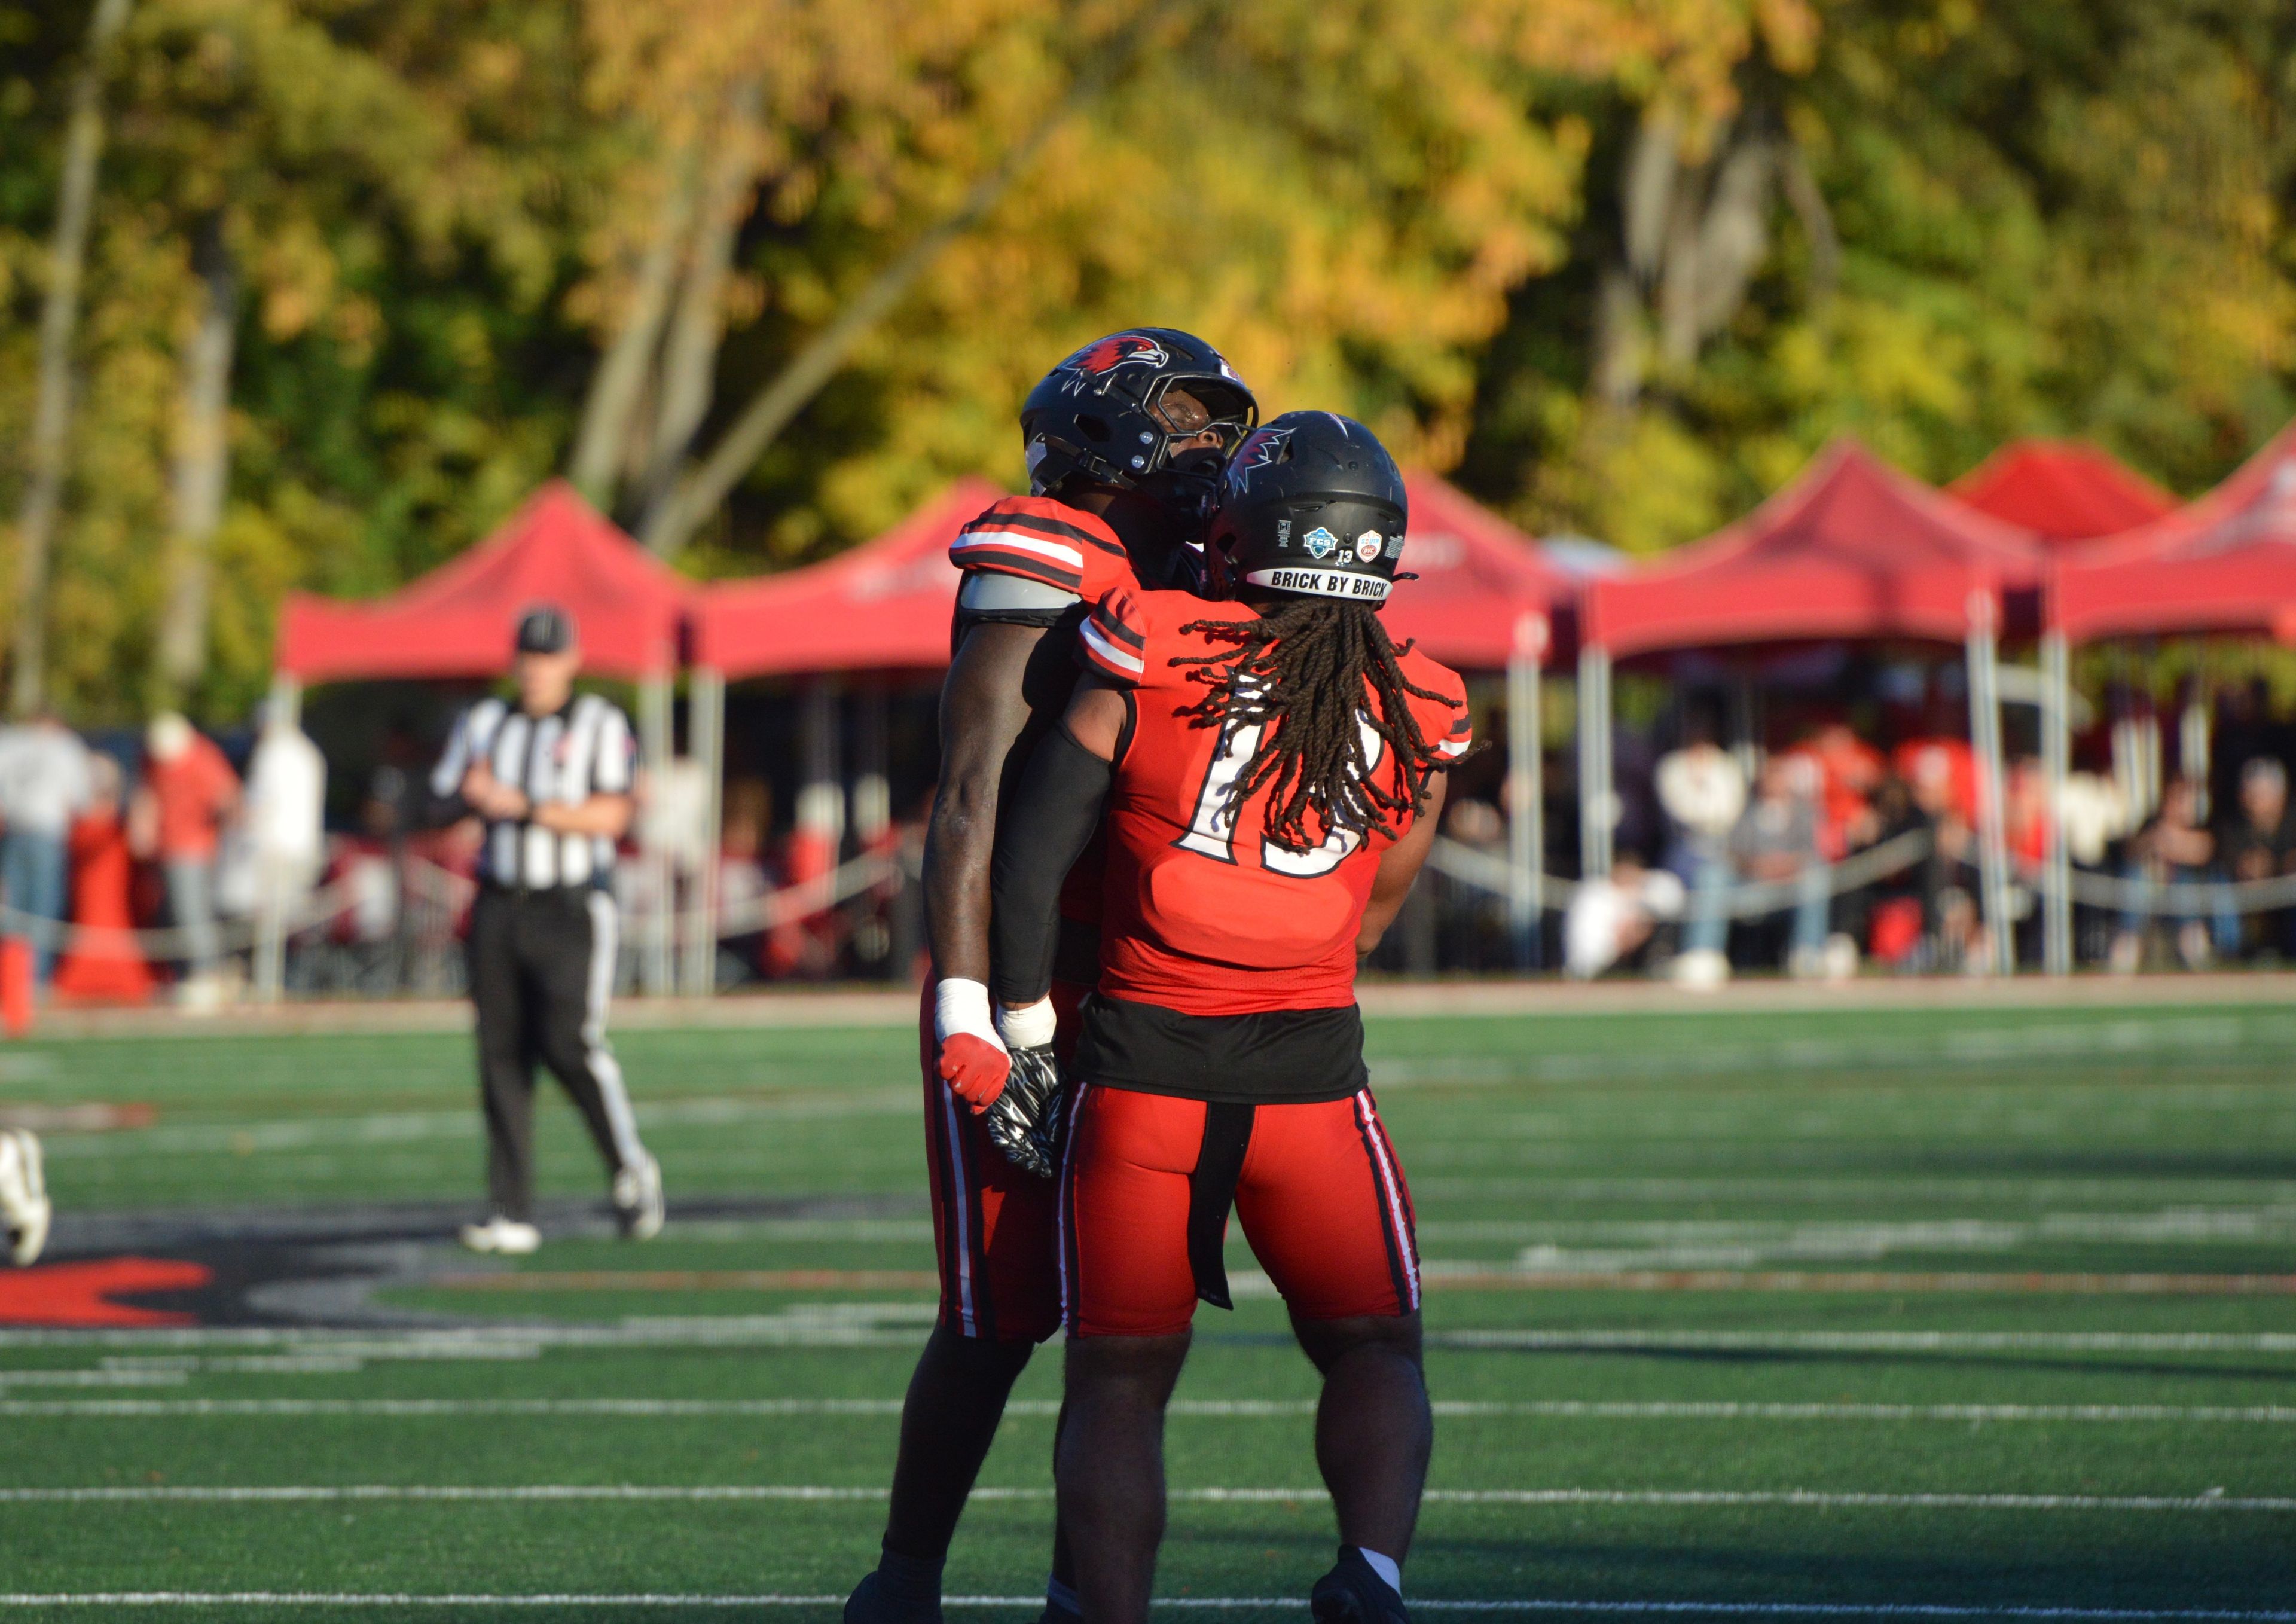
(1049, 542)
(1204, 911)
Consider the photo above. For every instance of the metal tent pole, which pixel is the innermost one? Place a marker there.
(1983, 650)
(2056, 752)
(1595, 798)
(706, 740)
(1526, 797)
(654, 740)
(2195, 739)
(285, 711)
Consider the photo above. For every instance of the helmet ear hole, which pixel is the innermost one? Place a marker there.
(1097, 429)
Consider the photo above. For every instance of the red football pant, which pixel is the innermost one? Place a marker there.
(995, 1227)
(1145, 1193)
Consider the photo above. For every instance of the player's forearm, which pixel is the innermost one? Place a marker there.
(1398, 870)
(959, 841)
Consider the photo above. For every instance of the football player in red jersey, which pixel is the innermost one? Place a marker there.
(1270, 770)
(1126, 441)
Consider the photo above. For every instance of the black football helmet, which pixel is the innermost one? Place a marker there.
(1312, 503)
(1150, 409)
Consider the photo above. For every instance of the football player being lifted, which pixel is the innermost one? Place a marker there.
(1125, 440)
(1270, 770)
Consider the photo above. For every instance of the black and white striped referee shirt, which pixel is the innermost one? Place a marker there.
(586, 749)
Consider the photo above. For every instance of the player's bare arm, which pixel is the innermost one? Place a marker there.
(1398, 868)
(984, 710)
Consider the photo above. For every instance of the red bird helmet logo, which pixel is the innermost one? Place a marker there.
(1118, 350)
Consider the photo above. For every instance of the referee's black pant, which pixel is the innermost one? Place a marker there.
(541, 968)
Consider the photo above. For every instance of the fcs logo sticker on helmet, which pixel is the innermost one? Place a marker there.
(1117, 349)
(1320, 543)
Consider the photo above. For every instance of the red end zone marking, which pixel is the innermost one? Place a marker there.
(81, 1294)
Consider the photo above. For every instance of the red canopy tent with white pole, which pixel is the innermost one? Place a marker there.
(2226, 562)
(458, 621)
(1851, 549)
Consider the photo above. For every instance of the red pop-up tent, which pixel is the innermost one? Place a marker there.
(1853, 548)
(884, 606)
(457, 620)
(2226, 563)
(2064, 491)
(1478, 576)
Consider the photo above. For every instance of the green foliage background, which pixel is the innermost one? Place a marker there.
(2063, 216)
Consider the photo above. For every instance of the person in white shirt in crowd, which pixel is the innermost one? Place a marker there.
(1611, 920)
(1702, 789)
(45, 784)
(285, 817)
(1776, 841)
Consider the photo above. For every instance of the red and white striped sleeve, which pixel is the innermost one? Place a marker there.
(1049, 542)
(1113, 640)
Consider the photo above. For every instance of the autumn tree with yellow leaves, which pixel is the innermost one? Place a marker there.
(761, 275)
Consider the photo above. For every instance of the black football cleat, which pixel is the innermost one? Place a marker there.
(1352, 1594)
(875, 1601)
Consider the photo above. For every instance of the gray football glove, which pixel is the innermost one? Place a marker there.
(1024, 1121)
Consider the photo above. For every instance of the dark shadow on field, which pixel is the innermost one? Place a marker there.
(1749, 1357)
(1743, 1357)
(2097, 1572)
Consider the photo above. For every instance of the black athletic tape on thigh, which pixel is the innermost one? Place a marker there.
(1212, 1193)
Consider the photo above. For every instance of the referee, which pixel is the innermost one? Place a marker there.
(551, 780)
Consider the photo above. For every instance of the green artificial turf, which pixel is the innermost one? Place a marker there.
(1658, 1151)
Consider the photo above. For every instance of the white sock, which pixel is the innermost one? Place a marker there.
(1386, 1567)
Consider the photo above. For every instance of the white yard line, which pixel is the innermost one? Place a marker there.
(1819, 1499)
(2270, 1415)
(1758, 1610)
(872, 1324)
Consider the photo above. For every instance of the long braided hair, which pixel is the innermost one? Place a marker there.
(1298, 672)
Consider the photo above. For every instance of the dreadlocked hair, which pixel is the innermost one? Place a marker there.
(1298, 674)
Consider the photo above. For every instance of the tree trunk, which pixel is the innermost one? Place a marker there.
(689, 358)
(202, 465)
(35, 518)
(698, 493)
(619, 386)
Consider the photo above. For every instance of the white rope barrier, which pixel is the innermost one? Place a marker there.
(1746, 900)
(423, 881)
(1489, 872)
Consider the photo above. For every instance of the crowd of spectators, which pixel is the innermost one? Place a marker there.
(153, 830)
(1746, 873)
